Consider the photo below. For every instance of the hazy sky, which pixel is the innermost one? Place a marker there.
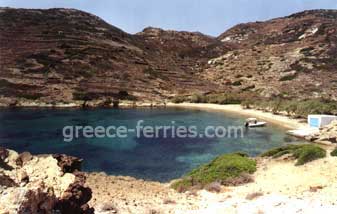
(207, 16)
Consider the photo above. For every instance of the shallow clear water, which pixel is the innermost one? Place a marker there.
(40, 131)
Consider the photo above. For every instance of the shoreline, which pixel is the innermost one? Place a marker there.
(95, 104)
(278, 186)
(279, 120)
(308, 190)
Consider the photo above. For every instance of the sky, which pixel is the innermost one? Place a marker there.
(211, 17)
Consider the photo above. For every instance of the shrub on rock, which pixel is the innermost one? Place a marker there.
(223, 169)
(303, 153)
(334, 152)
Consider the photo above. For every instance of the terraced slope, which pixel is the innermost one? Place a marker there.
(294, 56)
(66, 55)
(61, 55)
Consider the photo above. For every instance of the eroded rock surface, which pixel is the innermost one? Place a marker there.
(37, 184)
(68, 163)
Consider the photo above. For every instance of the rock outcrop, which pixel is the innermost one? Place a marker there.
(76, 196)
(38, 184)
(68, 164)
(327, 134)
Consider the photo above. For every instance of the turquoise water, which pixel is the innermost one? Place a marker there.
(39, 131)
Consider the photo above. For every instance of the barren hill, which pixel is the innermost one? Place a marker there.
(62, 55)
(294, 56)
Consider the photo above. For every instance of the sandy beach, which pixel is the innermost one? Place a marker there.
(279, 120)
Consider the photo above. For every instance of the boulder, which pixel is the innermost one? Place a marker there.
(76, 197)
(6, 181)
(42, 184)
(68, 164)
(3, 153)
(35, 200)
(23, 158)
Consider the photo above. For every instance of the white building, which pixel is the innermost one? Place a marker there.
(318, 121)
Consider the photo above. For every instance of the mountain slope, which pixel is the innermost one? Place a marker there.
(61, 55)
(293, 57)
(66, 55)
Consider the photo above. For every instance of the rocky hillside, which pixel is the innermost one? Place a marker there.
(294, 56)
(62, 55)
(66, 56)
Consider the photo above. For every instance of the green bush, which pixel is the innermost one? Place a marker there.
(124, 95)
(215, 98)
(297, 108)
(289, 107)
(279, 151)
(33, 96)
(293, 107)
(224, 98)
(308, 153)
(194, 98)
(303, 153)
(82, 96)
(247, 104)
(222, 169)
(179, 99)
(198, 98)
(334, 152)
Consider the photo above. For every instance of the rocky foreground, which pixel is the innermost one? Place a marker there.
(52, 183)
(279, 187)
(42, 184)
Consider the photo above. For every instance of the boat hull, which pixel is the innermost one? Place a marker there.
(258, 124)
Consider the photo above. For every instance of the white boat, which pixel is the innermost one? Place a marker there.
(253, 123)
